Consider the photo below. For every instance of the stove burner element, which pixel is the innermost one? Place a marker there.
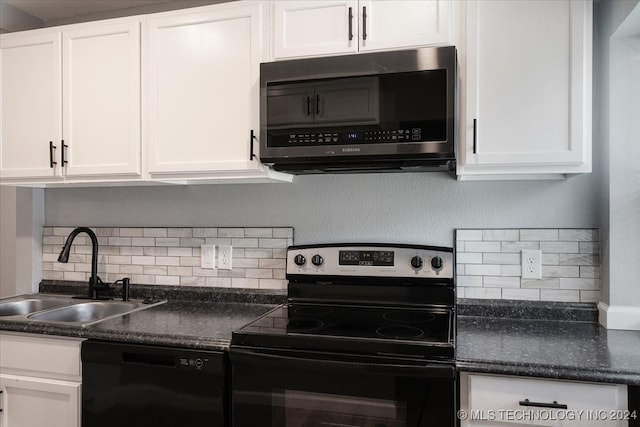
(399, 332)
(303, 325)
(407, 316)
(313, 311)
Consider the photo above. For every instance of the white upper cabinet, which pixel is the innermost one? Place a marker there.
(31, 105)
(526, 89)
(316, 28)
(71, 102)
(201, 89)
(101, 99)
(392, 24)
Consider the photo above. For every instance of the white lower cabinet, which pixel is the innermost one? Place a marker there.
(493, 400)
(40, 380)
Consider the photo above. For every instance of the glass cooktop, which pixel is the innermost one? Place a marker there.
(366, 329)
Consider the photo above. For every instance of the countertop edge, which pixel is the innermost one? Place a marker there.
(549, 372)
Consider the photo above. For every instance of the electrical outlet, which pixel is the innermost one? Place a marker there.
(208, 256)
(225, 256)
(531, 264)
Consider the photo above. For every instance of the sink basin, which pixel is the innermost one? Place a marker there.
(29, 305)
(87, 313)
(64, 309)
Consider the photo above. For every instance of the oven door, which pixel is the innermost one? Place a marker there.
(283, 388)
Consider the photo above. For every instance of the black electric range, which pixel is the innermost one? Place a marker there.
(367, 338)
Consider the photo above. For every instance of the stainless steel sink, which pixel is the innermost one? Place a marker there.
(66, 310)
(85, 312)
(28, 305)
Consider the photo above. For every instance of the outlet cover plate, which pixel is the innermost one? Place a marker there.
(531, 264)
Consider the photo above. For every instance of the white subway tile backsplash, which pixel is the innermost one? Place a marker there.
(154, 232)
(560, 271)
(179, 252)
(559, 295)
(589, 247)
(467, 235)
(131, 232)
(258, 232)
(539, 235)
(231, 232)
(511, 270)
(521, 294)
(482, 270)
(583, 284)
(589, 296)
(483, 293)
(517, 247)
(559, 247)
(499, 258)
(171, 256)
(143, 241)
(580, 235)
(466, 281)
(489, 264)
(482, 246)
(469, 257)
(546, 283)
(500, 235)
(501, 282)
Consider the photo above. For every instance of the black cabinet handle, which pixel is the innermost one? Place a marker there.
(252, 137)
(64, 162)
(51, 148)
(308, 105)
(554, 405)
(350, 24)
(364, 22)
(475, 135)
(317, 105)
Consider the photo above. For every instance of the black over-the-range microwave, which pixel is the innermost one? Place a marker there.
(374, 112)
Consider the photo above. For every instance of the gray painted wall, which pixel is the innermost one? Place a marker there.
(411, 208)
(618, 151)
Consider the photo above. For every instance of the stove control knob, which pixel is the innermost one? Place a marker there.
(416, 262)
(436, 263)
(299, 260)
(317, 260)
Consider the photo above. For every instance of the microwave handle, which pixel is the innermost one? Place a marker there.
(364, 22)
(430, 370)
(350, 23)
(475, 136)
(252, 137)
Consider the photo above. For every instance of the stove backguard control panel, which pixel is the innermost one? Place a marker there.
(376, 261)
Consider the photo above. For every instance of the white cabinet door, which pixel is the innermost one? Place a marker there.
(202, 83)
(309, 28)
(528, 88)
(101, 99)
(32, 402)
(391, 24)
(315, 28)
(31, 105)
(494, 401)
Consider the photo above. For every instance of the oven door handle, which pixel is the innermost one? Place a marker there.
(430, 370)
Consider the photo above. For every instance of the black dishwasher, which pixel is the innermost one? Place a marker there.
(139, 385)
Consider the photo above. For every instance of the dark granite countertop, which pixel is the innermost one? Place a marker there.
(550, 340)
(203, 321)
(562, 349)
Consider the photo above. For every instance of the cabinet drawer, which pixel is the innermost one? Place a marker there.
(525, 401)
(40, 356)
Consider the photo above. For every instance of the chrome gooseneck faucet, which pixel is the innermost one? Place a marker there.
(95, 284)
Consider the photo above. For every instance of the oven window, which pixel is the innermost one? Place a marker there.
(308, 409)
